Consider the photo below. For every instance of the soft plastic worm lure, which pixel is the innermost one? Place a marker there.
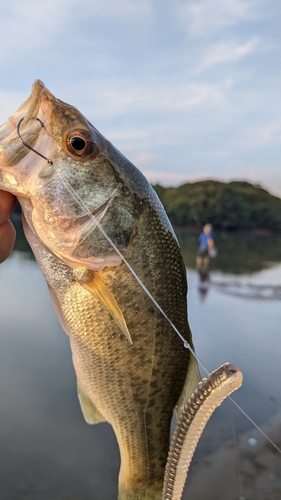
(210, 393)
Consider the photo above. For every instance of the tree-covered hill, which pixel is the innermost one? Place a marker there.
(232, 206)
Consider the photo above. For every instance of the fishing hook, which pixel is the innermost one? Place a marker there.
(27, 145)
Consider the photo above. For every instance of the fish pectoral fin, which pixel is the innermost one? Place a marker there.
(98, 288)
(89, 410)
(192, 380)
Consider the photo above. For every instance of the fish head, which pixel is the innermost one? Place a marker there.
(72, 184)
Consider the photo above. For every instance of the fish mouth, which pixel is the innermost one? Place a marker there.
(27, 111)
(12, 145)
(37, 92)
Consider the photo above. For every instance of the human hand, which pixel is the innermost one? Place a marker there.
(7, 230)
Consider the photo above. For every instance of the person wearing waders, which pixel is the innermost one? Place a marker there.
(205, 251)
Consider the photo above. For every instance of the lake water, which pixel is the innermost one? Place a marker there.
(47, 451)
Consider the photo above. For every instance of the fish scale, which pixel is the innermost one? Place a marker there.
(131, 366)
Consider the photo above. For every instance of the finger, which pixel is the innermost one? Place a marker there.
(7, 239)
(7, 205)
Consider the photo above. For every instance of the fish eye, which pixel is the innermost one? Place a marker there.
(77, 143)
(80, 144)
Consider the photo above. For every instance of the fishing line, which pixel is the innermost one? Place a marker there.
(256, 425)
(80, 202)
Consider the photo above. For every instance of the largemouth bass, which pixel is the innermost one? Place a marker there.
(86, 212)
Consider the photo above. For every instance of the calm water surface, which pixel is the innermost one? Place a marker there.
(47, 451)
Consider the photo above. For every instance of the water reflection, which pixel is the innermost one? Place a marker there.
(248, 290)
(204, 284)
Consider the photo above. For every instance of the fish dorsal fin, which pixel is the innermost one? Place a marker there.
(92, 281)
(89, 410)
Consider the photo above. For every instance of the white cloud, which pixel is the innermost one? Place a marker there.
(26, 25)
(108, 99)
(202, 17)
(226, 52)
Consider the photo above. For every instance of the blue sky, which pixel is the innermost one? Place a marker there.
(186, 89)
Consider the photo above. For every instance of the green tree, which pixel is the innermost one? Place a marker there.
(231, 206)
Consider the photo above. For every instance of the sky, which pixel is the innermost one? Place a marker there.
(186, 89)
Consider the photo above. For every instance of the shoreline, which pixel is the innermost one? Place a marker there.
(254, 231)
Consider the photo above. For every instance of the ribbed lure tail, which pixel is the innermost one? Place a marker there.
(209, 394)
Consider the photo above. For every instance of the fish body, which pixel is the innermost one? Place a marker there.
(131, 366)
